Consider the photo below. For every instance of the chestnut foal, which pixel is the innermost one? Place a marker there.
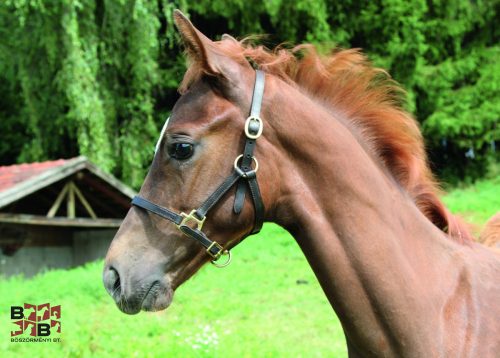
(342, 168)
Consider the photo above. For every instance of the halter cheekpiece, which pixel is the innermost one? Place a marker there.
(243, 175)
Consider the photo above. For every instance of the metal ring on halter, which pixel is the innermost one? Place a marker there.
(228, 261)
(247, 127)
(237, 168)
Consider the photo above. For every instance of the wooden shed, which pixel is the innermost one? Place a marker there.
(57, 214)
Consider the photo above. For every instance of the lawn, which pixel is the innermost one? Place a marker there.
(267, 303)
(476, 203)
(252, 308)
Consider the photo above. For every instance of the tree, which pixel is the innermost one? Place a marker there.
(98, 77)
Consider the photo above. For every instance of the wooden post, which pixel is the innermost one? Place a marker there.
(69, 191)
(70, 202)
(53, 210)
(84, 201)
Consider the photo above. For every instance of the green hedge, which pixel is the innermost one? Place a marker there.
(98, 77)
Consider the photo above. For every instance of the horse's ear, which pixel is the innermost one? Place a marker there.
(203, 50)
(229, 38)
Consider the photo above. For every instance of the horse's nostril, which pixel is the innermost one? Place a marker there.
(116, 285)
(111, 280)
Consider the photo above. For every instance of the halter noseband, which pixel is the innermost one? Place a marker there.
(242, 175)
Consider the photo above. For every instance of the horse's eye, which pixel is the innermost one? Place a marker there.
(181, 151)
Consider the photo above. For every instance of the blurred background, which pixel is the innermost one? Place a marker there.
(97, 78)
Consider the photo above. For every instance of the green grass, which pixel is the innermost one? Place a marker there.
(253, 308)
(476, 203)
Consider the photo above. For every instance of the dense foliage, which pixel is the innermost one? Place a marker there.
(98, 77)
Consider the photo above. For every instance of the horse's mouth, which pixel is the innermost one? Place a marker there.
(158, 297)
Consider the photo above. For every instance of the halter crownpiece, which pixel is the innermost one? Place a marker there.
(243, 175)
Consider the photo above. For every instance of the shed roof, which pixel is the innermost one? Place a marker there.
(11, 175)
(18, 181)
(32, 194)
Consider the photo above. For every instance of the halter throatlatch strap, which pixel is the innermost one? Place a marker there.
(243, 175)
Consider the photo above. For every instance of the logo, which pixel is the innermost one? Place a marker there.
(38, 322)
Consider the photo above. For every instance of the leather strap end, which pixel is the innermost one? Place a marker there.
(239, 198)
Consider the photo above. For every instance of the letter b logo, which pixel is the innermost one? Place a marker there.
(16, 312)
(43, 330)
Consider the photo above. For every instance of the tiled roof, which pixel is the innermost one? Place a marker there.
(19, 181)
(12, 175)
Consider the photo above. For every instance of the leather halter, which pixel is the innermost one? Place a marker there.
(243, 175)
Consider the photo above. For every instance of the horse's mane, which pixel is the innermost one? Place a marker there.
(346, 82)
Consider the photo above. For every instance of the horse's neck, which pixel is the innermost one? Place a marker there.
(368, 244)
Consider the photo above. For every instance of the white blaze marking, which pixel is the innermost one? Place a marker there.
(161, 135)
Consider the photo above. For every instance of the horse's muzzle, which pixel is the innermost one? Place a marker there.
(149, 292)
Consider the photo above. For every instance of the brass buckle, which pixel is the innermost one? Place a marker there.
(218, 255)
(247, 129)
(192, 217)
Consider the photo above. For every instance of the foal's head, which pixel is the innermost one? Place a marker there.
(150, 256)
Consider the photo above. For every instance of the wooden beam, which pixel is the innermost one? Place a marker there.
(58, 221)
(53, 210)
(84, 201)
(70, 202)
